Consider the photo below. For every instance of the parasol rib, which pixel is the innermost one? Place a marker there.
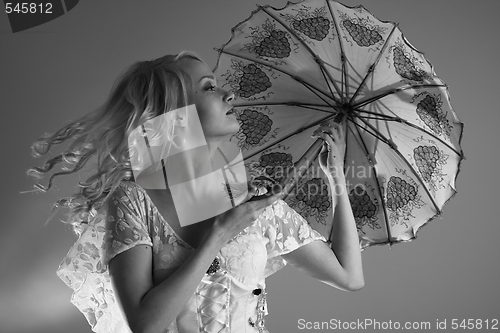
(372, 67)
(434, 136)
(318, 60)
(401, 120)
(374, 134)
(304, 106)
(412, 169)
(386, 117)
(326, 80)
(307, 85)
(379, 188)
(396, 90)
(290, 135)
(375, 118)
(315, 107)
(344, 82)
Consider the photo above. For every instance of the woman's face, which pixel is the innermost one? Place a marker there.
(212, 102)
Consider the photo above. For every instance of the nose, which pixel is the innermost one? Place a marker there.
(228, 96)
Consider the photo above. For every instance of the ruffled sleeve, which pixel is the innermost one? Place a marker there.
(116, 226)
(286, 230)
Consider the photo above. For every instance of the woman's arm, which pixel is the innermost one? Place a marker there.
(342, 267)
(150, 308)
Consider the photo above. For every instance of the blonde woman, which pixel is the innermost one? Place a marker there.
(134, 267)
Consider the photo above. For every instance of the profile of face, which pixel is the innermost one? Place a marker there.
(212, 102)
(199, 166)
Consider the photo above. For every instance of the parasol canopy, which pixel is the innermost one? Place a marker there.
(317, 61)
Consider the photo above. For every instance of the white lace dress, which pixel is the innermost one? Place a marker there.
(230, 298)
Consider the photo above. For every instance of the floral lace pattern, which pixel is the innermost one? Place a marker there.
(130, 218)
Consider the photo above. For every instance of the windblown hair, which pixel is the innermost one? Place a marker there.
(146, 90)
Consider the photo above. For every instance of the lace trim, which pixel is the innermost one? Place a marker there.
(213, 304)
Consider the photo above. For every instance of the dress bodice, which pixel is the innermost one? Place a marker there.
(231, 297)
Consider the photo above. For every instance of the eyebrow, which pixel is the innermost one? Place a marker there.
(207, 77)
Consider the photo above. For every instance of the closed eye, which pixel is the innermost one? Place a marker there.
(209, 86)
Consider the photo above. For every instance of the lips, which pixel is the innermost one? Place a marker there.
(230, 111)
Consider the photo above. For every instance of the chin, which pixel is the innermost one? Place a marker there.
(233, 127)
(227, 135)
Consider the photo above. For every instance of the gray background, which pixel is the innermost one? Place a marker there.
(63, 69)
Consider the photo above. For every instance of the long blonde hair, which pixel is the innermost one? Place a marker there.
(146, 90)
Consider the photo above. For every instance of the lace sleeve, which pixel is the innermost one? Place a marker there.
(126, 224)
(286, 230)
(118, 225)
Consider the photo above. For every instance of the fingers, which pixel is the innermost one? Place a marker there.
(326, 137)
(334, 129)
(252, 191)
(268, 198)
(324, 149)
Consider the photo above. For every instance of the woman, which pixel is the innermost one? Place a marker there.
(134, 266)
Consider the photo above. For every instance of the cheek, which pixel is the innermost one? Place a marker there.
(208, 120)
(206, 109)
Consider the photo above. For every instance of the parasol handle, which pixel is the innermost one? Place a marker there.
(304, 163)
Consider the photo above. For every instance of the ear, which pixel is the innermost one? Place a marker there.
(181, 117)
(181, 121)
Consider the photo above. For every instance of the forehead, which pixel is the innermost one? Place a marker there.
(196, 69)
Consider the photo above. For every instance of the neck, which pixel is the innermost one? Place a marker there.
(213, 147)
(217, 154)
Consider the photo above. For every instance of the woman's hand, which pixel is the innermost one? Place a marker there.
(331, 157)
(230, 223)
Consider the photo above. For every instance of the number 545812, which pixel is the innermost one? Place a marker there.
(491, 324)
(28, 7)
